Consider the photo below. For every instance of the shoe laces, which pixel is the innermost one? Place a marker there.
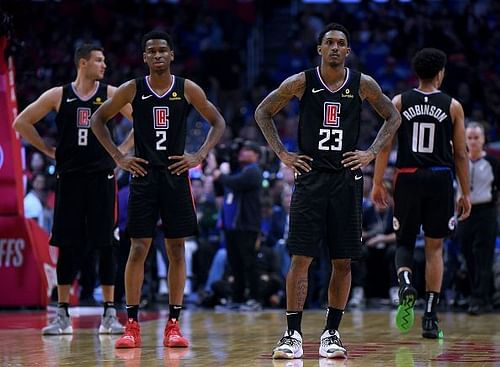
(132, 328)
(173, 329)
(290, 341)
(332, 339)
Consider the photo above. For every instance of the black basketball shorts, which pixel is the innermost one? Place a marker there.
(423, 197)
(85, 209)
(160, 194)
(327, 206)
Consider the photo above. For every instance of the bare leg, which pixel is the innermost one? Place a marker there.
(108, 293)
(296, 283)
(433, 264)
(340, 283)
(63, 293)
(176, 269)
(134, 271)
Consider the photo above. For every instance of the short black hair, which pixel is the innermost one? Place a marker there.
(428, 62)
(84, 51)
(157, 35)
(334, 27)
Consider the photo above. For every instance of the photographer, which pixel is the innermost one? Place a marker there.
(241, 220)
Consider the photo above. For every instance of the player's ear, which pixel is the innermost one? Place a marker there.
(319, 49)
(144, 57)
(348, 51)
(172, 55)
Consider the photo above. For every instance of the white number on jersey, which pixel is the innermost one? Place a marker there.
(332, 139)
(83, 135)
(421, 131)
(162, 134)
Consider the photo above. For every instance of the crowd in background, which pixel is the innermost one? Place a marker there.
(211, 47)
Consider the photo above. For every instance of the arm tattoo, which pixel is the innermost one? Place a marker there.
(301, 287)
(384, 107)
(275, 102)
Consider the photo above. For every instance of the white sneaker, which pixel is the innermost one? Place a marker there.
(60, 325)
(289, 346)
(394, 295)
(110, 323)
(330, 345)
(357, 298)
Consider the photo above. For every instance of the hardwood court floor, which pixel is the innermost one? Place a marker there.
(246, 339)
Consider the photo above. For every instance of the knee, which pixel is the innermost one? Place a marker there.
(300, 263)
(342, 267)
(138, 252)
(176, 252)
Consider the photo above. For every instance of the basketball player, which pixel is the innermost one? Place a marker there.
(160, 183)
(431, 144)
(326, 203)
(85, 188)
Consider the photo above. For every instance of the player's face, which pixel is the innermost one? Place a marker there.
(95, 65)
(158, 55)
(334, 48)
(474, 139)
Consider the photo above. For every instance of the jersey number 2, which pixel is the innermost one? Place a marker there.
(162, 134)
(423, 137)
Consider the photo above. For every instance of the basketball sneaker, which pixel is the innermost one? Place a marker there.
(330, 345)
(404, 314)
(60, 325)
(110, 323)
(173, 336)
(430, 328)
(289, 346)
(131, 338)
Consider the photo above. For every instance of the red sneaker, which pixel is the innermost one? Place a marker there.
(131, 338)
(173, 336)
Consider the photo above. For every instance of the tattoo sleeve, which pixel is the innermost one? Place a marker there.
(275, 102)
(301, 292)
(370, 90)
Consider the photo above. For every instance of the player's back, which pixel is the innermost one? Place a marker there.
(159, 122)
(78, 150)
(425, 134)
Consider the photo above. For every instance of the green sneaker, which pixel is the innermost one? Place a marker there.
(405, 315)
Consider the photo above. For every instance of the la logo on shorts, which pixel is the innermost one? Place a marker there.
(452, 223)
(160, 117)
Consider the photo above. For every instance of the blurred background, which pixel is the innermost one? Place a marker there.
(238, 51)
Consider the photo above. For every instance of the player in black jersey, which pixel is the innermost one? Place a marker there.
(431, 145)
(85, 191)
(326, 203)
(160, 183)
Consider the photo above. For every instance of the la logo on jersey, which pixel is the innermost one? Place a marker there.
(160, 116)
(331, 114)
(83, 117)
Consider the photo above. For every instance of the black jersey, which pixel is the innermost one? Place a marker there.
(159, 122)
(329, 120)
(424, 137)
(78, 150)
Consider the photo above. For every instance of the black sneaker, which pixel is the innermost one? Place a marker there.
(404, 314)
(430, 328)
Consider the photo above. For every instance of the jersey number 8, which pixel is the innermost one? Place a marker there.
(83, 136)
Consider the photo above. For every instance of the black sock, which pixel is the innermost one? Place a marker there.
(431, 301)
(133, 312)
(333, 318)
(65, 306)
(108, 305)
(404, 277)
(174, 312)
(294, 320)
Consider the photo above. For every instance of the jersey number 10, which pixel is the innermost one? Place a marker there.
(423, 137)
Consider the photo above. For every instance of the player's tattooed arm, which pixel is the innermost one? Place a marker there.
(370, 90)
(275, 101)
